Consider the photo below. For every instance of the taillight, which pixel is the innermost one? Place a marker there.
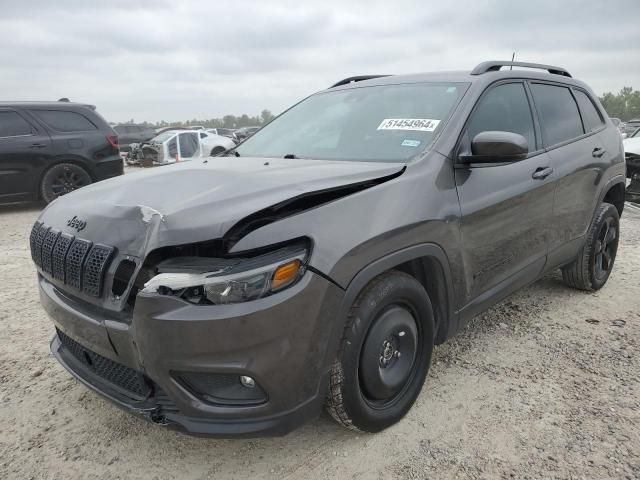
(113, 140)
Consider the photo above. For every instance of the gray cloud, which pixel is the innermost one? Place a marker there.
(152, 60)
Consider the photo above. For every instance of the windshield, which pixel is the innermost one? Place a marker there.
(387, 123)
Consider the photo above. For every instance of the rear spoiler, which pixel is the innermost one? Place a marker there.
(65, 99)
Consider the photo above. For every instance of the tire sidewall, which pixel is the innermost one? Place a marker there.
(45, 190)
(397, 288)
(606, 211)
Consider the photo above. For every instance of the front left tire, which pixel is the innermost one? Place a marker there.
(384, 355)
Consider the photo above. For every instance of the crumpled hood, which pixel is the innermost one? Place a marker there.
(195, 201)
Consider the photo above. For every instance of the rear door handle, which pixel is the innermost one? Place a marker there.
(598, 152)
(541, 173)
(37, 145)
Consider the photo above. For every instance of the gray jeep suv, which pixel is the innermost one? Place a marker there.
(322, 259)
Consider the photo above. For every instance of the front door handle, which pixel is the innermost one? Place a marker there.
(598, 152)
(541, 173)
(37, 145)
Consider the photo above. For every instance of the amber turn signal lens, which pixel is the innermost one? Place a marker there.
(285, 274)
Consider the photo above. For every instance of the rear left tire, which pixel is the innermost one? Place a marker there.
(384, 354)
(62, 179)
(591, 270)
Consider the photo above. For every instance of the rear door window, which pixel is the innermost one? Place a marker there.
(172, 147)
(64, 121)
(13, 125)
(590, 116)
(559, 113)
(504, 108)
(188, 144)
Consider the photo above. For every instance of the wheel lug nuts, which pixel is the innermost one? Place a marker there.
(397, 354)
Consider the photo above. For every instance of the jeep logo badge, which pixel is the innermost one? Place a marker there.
(76, 223)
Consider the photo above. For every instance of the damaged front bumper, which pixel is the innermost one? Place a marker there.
(138, 363)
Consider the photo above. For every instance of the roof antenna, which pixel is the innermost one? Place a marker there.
(513, 56)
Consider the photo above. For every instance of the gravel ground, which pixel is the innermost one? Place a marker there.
(546, 384)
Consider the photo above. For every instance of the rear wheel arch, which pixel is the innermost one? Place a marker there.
(62, 161)
(80, 163)
(217, 150)
(614, 194)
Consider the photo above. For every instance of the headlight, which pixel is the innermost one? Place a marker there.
(222, 281)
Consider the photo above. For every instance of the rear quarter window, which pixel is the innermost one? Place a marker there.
(64, 121)
(559, 113)
(590, 116)
(13, 125)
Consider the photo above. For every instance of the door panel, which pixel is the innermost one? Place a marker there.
(22, 159)
(579, 174)
(504, 210)
(505, 221)
(568, 117)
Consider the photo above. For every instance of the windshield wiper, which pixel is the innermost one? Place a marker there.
(290, 156)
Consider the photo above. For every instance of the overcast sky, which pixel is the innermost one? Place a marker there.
(185, 59)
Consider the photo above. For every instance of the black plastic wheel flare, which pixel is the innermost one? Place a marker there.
(605, 248)
(388, 354)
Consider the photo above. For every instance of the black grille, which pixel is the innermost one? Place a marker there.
(33, 240)
(124, 377)
(75, 258)
(94, 269)
(37, 254)
(47, 249)
(60, 255)
(74, 261)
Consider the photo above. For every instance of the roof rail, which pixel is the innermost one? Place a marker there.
(495, 65)
(358, 78)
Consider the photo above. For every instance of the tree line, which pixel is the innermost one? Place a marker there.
(228, 121)
(625, 105)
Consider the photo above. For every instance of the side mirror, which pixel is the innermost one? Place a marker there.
(495, 147)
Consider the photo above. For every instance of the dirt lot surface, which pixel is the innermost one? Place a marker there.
(546, 384)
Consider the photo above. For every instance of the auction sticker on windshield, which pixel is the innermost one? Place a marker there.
(418, 124)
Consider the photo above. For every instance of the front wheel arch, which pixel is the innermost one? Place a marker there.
(443, 300)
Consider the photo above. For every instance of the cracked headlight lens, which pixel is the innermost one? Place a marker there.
(225, 281)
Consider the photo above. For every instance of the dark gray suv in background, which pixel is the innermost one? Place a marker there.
(322, 259)
(130, 133)
(48, 149)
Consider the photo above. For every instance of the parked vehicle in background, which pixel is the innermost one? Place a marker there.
(245, 132)
(632, 157)
(321, 260)
(130, 133)
(178, 145)
(167, 129)
(631, 126)
(48, 149)
(195, 127)
(225, 132)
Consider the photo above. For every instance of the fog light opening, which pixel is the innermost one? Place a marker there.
(247, 381)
